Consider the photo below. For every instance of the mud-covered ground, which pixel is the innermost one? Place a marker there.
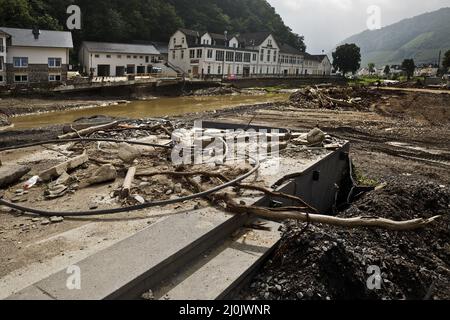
(397, 137)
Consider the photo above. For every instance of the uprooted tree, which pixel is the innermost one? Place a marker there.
(347, 58)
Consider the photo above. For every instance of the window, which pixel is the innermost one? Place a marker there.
(247, 57)
(134, 57)
(20, 78)
(199, 53)
(141, 57)
(268, 55)
(209, 69)
(192, 54)
(1, 78)
(261, 57)
(219, 70)
(238, 56)
(219, 55)
(2, 48)
(174, 54)
(210, 54)
(20, 62)
(54, 77)
(182, 54)
(174, 40)
(269, 42)
(254, 57)
(147, 59)
(97, 56)
(275, 56)
(128, 57)
(119, 56)
(237, 70)
(230, 56)
(182, 40)
(1, 63)
(108, 56)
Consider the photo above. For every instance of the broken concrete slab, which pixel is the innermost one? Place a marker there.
(10, 174)
(103, 174)
(58, 170)
(128, 153)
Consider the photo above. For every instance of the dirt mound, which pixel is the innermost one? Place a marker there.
(334, 98)
(332, 263)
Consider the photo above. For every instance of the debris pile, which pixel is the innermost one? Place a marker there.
(216, 91)
(334, 98)
(323, 262)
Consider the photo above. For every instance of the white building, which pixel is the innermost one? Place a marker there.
(33, 56)
(116, 59)
(206, 54)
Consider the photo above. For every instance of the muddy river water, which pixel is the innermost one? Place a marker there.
(157, 107)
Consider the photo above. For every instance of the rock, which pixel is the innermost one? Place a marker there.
(315, 136)
(60, 169)
(63, 179)
(55, 191)
(56, 219)
(10, 174)
(299, 295)
(103, 174)
(45, 222)
(128, 153)
(139, 199)
(93, 206)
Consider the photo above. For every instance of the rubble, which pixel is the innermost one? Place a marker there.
(58, 170)
(105, 173)
(128, 153)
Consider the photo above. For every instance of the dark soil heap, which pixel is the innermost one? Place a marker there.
(324, 262)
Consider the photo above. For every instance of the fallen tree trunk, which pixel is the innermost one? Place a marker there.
(356, 222)
(87, 131)
(126, 187)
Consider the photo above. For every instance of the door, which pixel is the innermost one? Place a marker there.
(195, 71)
(104, 70)
(120, 71)
(130, 69)
(246, 71)
(141, 69)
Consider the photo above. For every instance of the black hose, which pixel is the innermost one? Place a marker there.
(125, 209)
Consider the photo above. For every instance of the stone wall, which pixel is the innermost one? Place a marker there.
(37, 73)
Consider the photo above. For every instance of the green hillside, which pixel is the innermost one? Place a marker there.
(420, 38)
(125, 20)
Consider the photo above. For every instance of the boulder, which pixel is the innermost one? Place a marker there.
(103, 174)
(10, 174)
(128, 153)
(316, 136)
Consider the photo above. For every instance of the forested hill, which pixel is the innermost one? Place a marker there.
(125, 20)
(420, 38)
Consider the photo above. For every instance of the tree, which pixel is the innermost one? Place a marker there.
(446, 62)
(347, 58)
(409, 67)
(371, 68)
(387, 70)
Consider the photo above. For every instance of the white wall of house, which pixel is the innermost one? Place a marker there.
(114, 60)
(178, 52)
(291, 64)
(2, 59)
(233, 43)
(38, 55)
(206, 39)
(267, 59)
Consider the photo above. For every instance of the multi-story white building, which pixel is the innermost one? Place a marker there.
(117, 59)
(252, 54)
(33, 56)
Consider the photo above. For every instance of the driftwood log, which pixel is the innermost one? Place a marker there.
(87, 131)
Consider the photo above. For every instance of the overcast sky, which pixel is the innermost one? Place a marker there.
(325, 23)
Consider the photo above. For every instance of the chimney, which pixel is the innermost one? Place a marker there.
(36, 32)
